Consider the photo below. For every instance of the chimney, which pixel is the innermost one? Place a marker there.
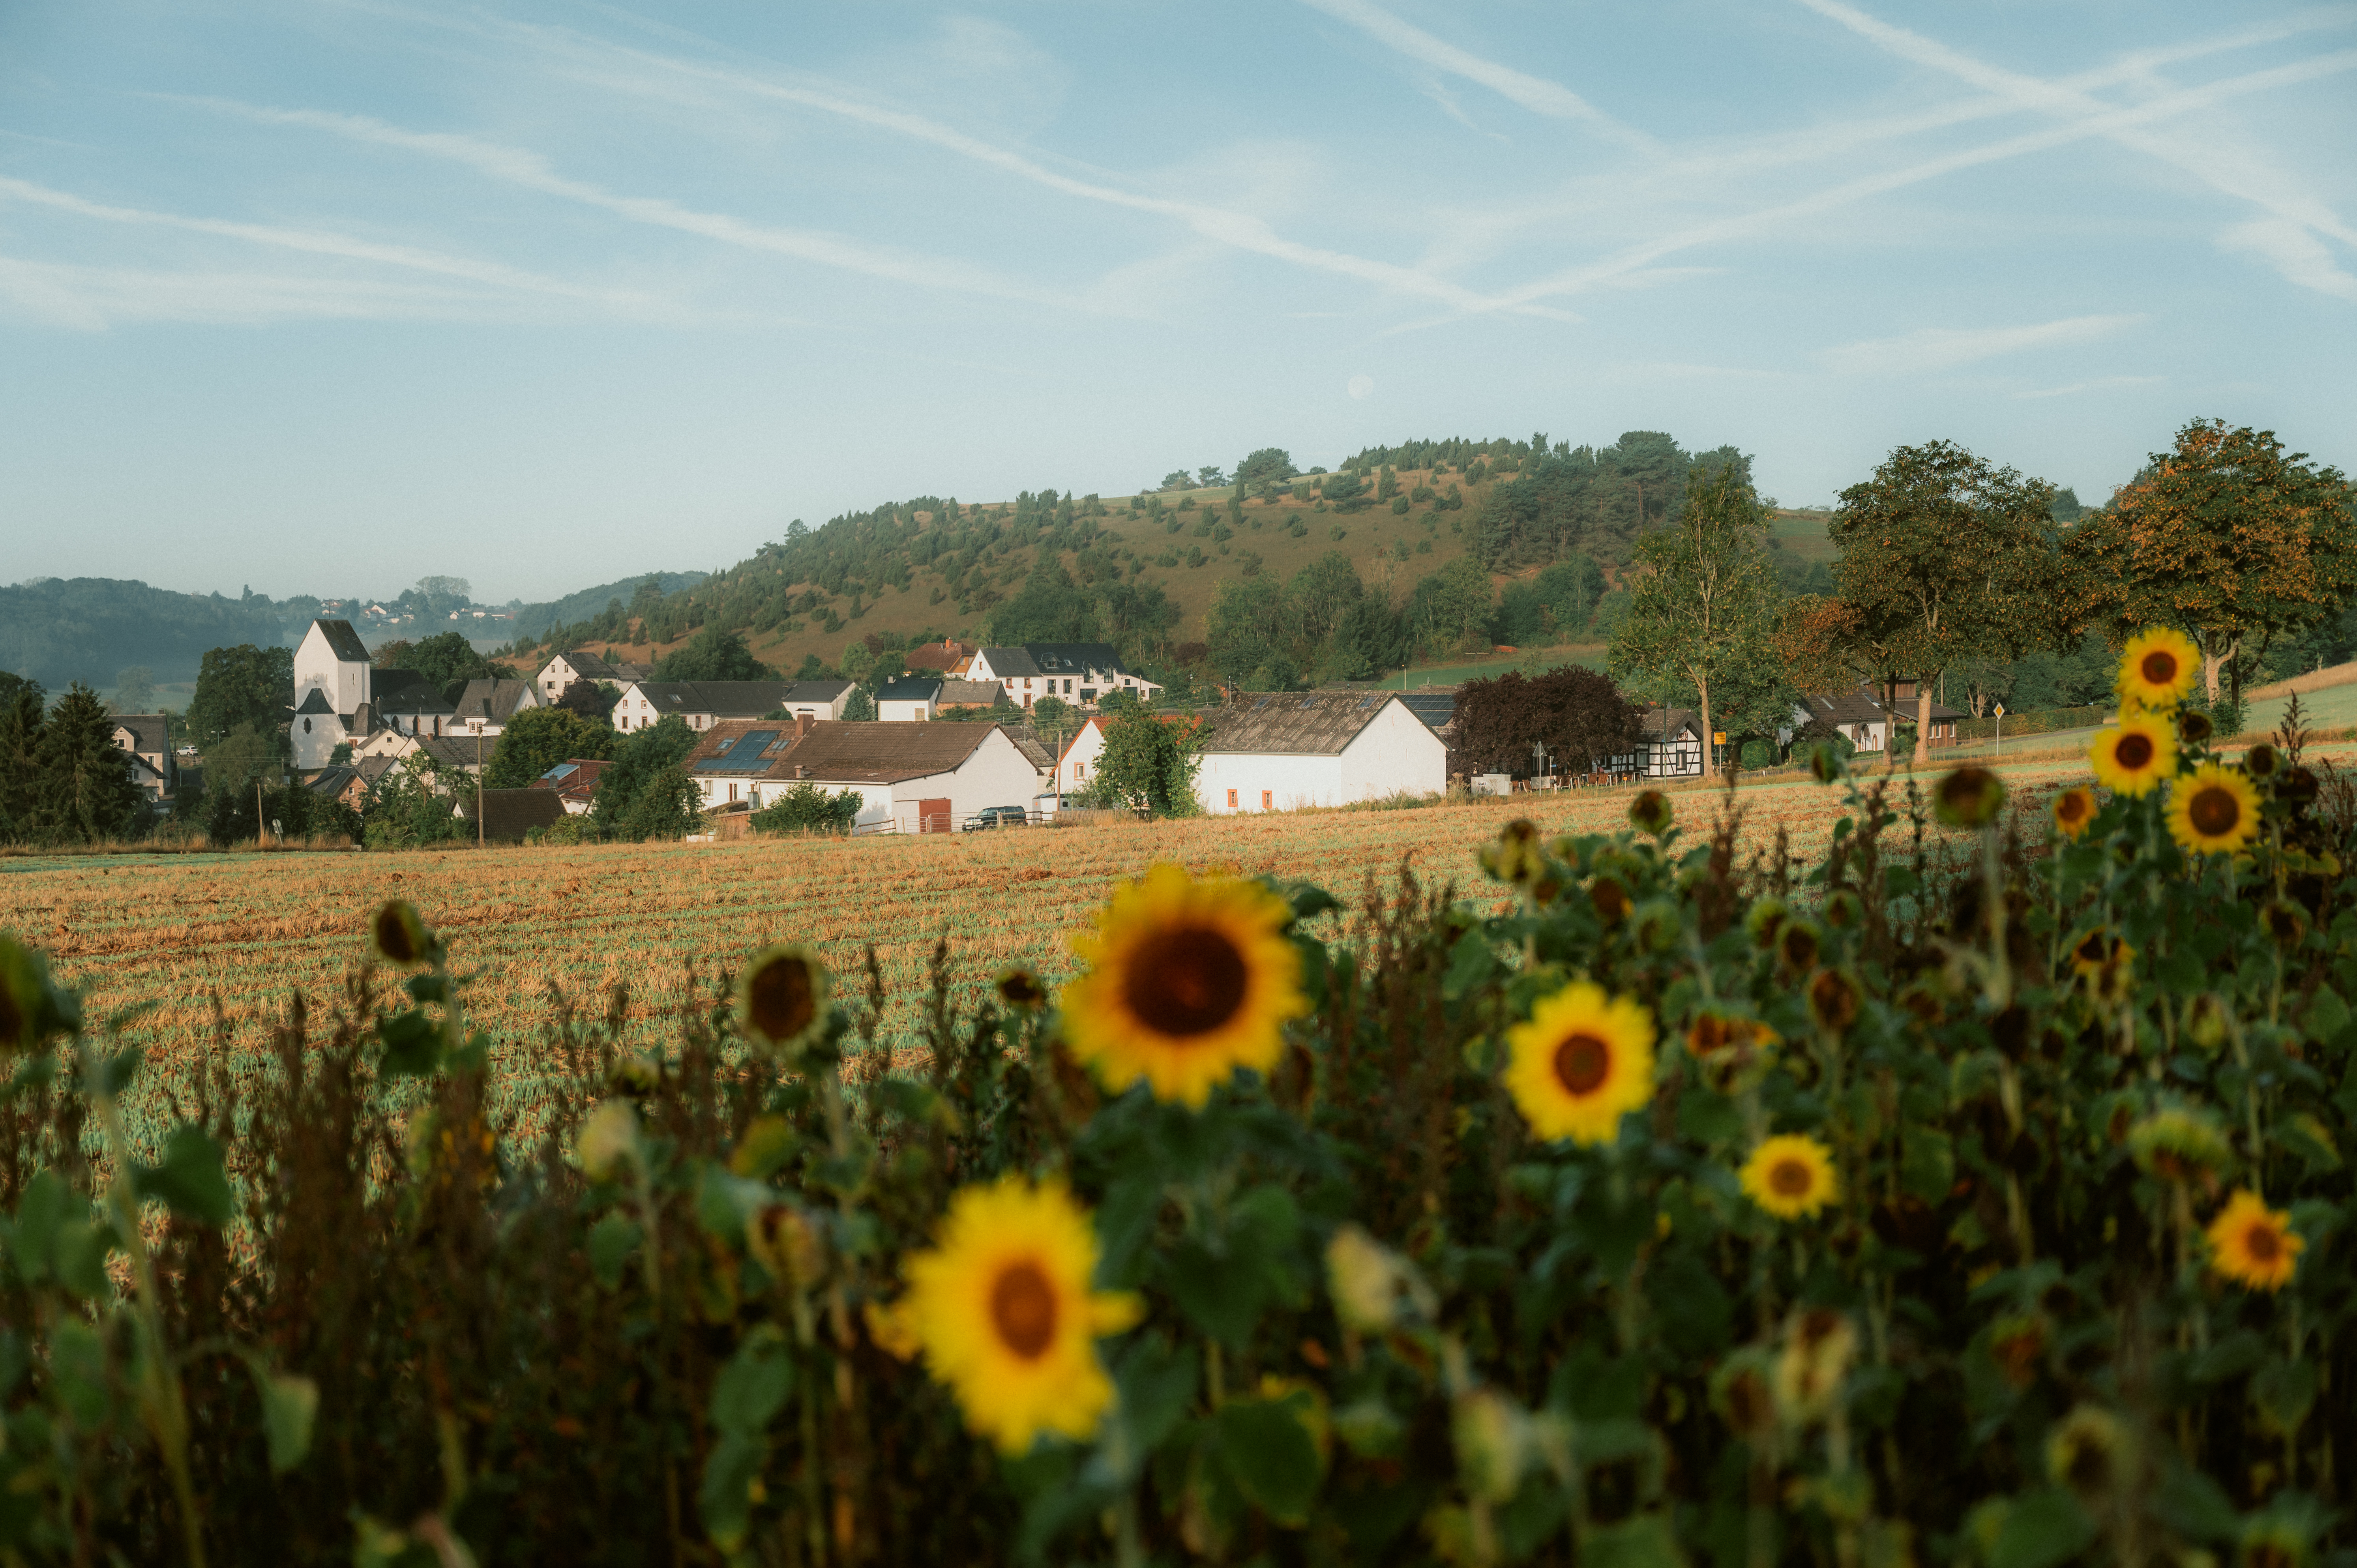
(801, 771)
(801, 726)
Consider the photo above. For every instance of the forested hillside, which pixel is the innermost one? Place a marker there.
(1265, 577)
(57, 630)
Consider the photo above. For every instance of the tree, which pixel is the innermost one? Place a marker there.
(1175, 479)
(23, 713)
(1210, 475)
(1556, 604)
(135, 690)
(713, 654)
(86, 793)
(448, 660)
(593, 700)
(1048, 607)
(242, 685)
(859, 708)
(1450, 607)
(806, 808)
(537, 739)
(639, 762)
(2225, 537)
(445, 589)
(1269, 466)
(1946, 556)
(1147, 766)
(1573, 712)
(410, 806)
(1704, 605)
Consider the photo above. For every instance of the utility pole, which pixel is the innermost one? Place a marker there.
(479, 784)
(259, 832)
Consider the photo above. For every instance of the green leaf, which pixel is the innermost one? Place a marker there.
(39, 1212)
(80, 1250)
(2311, 1139)
(2326, 1016)
(1899, 880)
(2043, 1530)
(289, 1405)
(117, 1070)
(1271, 1453)
(1644, 1541)
(413, 1045)
(191, 1180)
(2193, 1505)
(1927, 1164)
(1470, 962)
(752, 1388)
(1708, 1117)
(2284, 1392)
(1309, 901)
(427, 986)
(611, 1242)
(78, 1371)
(1157, 1383)
(725, 1499)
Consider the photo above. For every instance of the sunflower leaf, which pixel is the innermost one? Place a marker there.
(1271, 1453)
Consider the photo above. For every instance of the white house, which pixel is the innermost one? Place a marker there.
(906, 699)
(560, 674)
(488, 705)
(405, 701)
(1672, 747)
(1279, 751)
(911, 777)
(1079, 673)
(704, 703)
(1074, 767)
(1857, 716)
(153, 767)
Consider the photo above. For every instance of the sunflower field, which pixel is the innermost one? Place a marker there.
(1971, 1193)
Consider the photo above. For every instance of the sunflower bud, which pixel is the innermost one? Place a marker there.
(2206, 1022)
(2090, 1453)
(1493, 1443)
(1609, 898)
(1764, 921)
(1819, 1345)
(1515, 856)
(1797, 947)
(633, 1074)
(608, 1140)
(2194, 726)
(1743, 1392)
(1826, 763)
(1844, 910)
(1650, 813)
(2261, 760)
(418, 1139)
(781, 1000)
(1969, 797)
(1020, 989)
(782, 1241)
(2285, 922)
(2178, 1144)
(1834, 1000)
(400, 936)
(1367, 1280)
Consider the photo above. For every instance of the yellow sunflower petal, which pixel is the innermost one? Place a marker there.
(2254, 1245)
(1187, 982)
(1001, 1307)
(1583, 1061)
(2133, 756)
(1790, 1177)
(2157, 668)
(2214, 811)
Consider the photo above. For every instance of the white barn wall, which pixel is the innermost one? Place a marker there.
(1396, 752)
(1290, 781)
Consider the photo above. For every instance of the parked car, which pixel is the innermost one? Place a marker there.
(995, 816)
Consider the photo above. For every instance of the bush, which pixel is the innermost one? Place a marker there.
(1978, 1194)
(806, 808)
(1759, 754)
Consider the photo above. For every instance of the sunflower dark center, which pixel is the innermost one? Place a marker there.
(2134, 751)
(1791, 1178)
(1021, 990)
(2160, 668)
(2089, 1467)
(2214, 811)
(782, 1002)
(1188, 981)
(1023, 1310)
(1582, 1063)
(2262, 1243)
(2073, 806)
(392, 935)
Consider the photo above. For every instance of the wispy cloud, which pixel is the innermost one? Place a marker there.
(1945, 347)
(2293, 251)
(344, 247)
(624, 69)
(1534, 94)
(2101, 383)
(93, 298)
(2232, 171)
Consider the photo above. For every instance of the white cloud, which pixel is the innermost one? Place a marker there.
(1944, 348)
(93, 298)
(2293, 251)
(1536, 94)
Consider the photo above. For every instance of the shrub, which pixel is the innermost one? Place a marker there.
(1977, 1194)
(806, 808)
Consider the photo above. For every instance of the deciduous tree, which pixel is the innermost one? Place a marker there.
(536, 739)
(1574, 713)
(1946, 556)
(1702, 610)
(242, 685)
(2226, 537)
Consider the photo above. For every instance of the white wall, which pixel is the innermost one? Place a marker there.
(1288, 781)
(1076, 769)
(313, 747)
(1396, 752)
(347, 685)
(914, 711)
(996, 775)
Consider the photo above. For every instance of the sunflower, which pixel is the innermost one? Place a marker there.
(2073, 809)
(1187, 982)
(399, 935)
(1020, 987)
(2215, 812)
(782, 999)
(2134, 756)
(2157, 666)
(1001, 1307)
(1790, 1175)
(1968, 798)
(2254, 1245)
(1582, 1062)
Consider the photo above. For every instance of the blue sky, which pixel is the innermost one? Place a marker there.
(321, 297)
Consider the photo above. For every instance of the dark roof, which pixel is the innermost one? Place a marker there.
(331, 781)
(721, 699)
(912, 689)
(817, 691)
(509, 814)
(375, 768)
(575, 778)
(1033, 752)
(1435, 708)
(148, 730)
(589, 666)
(1053, 659)
(344, 641)
(315, 701)
(1660, 725)
(502, 698)
(1855, 707)
(973, 694)
(406, 692)
(451, 750)
(1301, 723)
(836, 751)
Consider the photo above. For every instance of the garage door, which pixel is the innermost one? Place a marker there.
(933, 817)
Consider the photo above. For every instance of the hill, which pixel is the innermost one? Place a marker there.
(1433, 533)
(57, 630)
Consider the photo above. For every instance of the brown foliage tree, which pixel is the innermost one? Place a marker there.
(1574, 713)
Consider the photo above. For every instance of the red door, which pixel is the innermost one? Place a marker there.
(934, 816)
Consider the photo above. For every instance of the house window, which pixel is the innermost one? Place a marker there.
(1232, 800)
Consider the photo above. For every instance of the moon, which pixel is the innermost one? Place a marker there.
(1361, 386)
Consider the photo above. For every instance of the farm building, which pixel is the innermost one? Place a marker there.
(558, 676)
(911, 777)
(948, 657)
(153, 767)
(575, 780)
(907, 699)
(488, 705)
(1282, 750)
(704, 703)
(1672, 747)
(1869, 723)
